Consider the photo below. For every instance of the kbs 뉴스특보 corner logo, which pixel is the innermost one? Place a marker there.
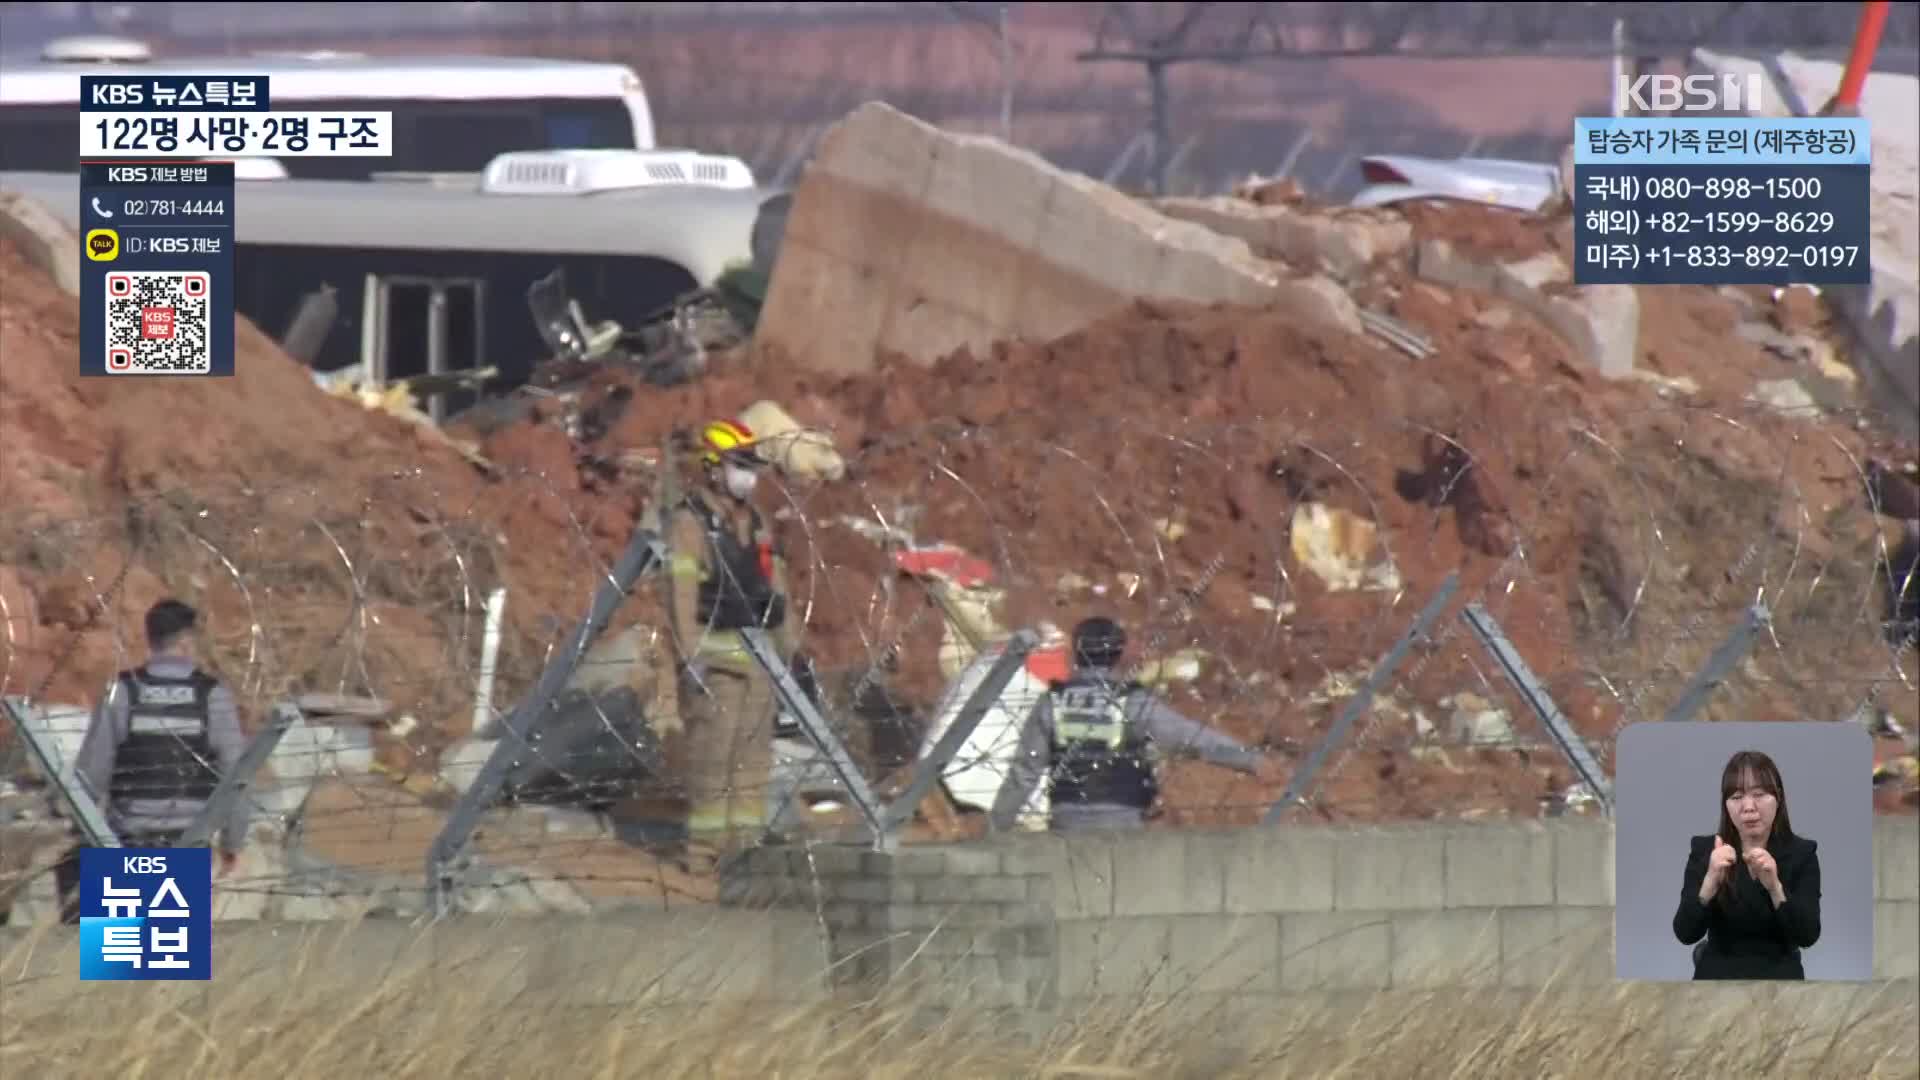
(146, 913)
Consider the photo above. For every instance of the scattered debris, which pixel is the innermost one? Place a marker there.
(1281, 610)
(1071, 582)
(1668, 386)
(1787, 397)
(1899, 776)
(1267, 191)
(799, 452)
(1336, 545)
(1397, 334)
(398, 400)
(1575, 801)
(1182, 667)
(1478, 722)
(339, 708)
(1341, 243)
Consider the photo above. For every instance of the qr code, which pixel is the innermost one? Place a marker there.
(157, 322)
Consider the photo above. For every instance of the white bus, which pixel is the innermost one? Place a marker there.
(450, 113)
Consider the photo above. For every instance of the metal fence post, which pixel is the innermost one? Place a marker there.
(1719, 665)
(1528, 686)
(801, 708)
(86, 813)
(1303, 777)
(644, 551)
(1008, 664)
(239, 780)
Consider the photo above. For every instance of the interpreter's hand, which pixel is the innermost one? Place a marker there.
(1719, 865)
(1762, 867)
(1721, 861)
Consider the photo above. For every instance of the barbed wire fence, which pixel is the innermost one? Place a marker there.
(1429, 623)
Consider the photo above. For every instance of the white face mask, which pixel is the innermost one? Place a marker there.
(740, 481)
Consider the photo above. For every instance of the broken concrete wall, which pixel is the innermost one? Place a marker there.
(1601, 323)
(43, 237)
(1884, 315)
(909, 239)
(1341, 245)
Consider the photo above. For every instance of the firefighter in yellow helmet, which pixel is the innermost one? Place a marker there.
(726, 577)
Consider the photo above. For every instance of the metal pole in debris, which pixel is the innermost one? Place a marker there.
(1303, 777)
(1012, 658)
(1162, 153)
(86, 813)
(801, 708)
(644, 552)
(1534, 693)
(489, 657)
(239, 779)
(1719, 665)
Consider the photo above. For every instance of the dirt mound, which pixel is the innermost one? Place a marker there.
(1212, 476)
(1157, 466)
(331, 547)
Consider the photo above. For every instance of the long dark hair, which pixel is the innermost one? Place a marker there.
(1765, 775)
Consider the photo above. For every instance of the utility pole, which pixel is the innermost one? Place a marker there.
(1162, 137)
(1006, 73)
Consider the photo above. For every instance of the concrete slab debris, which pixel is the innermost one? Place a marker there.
(43, 237)
(1600, 322)
(1341, 245)
(921, 241)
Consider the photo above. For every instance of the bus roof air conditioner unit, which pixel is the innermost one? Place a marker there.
(583, 172)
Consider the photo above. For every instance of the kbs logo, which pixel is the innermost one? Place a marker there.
(1690, 93)
(146, 913)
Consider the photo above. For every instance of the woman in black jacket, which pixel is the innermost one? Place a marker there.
(1753, 888)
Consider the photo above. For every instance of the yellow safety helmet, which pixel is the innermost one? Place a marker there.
(724, 438)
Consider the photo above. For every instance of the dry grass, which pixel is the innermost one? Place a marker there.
(292, 1018)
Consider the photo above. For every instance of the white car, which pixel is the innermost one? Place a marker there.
(1514, 185)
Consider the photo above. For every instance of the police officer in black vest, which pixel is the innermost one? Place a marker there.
(1092, 738)
(158, 743)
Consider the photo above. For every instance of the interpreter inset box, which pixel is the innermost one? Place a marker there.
(1743, 851)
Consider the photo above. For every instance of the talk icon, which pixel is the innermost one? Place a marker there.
(103, 245)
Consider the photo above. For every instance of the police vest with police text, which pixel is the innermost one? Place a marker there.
(1096, 756)
(166, 754)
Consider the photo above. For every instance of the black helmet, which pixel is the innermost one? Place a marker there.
(1098, 642)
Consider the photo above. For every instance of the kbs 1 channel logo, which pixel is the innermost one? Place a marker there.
(146, 913)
